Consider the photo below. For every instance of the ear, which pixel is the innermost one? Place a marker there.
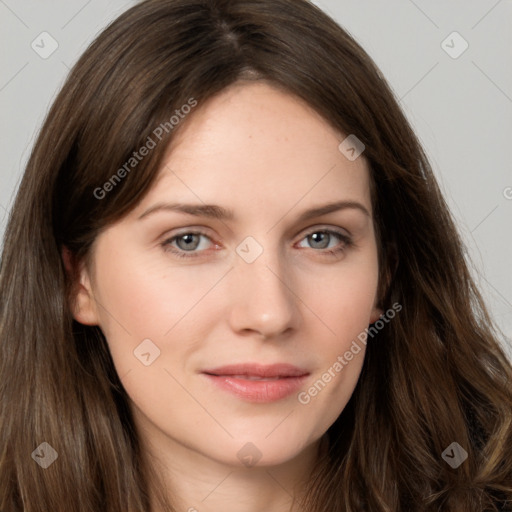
(375, 314)
(385, 283)
(81, 300)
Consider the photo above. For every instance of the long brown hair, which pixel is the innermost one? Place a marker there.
(432, 376)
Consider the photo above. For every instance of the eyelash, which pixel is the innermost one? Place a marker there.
(347, 242)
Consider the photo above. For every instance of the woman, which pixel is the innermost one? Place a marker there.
(172, 336)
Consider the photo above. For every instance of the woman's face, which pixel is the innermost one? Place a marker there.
(272, 289)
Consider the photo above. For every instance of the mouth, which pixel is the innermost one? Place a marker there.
(258, 383)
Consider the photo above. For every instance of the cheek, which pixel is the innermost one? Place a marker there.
(344, 299)
(140, 300)
(344, 305)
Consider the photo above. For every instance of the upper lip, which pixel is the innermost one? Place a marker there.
(258, 370)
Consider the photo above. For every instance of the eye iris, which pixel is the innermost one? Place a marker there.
(322, 238)
(190, 238)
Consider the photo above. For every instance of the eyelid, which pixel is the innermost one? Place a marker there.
(320, 227)
(189, 230)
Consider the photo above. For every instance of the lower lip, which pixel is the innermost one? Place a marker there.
(258, 391)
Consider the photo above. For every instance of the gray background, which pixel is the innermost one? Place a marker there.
(460, 107)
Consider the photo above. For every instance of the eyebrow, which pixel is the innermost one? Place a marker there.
(214, 211)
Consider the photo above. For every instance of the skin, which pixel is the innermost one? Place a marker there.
(268, 157)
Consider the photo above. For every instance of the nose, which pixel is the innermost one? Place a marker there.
(263, 298)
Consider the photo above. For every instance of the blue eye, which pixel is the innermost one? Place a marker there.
(322, 239)
(185, 245)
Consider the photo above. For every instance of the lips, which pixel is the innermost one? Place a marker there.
(274, 371)
(258, 383)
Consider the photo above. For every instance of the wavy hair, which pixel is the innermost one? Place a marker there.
(434, 375)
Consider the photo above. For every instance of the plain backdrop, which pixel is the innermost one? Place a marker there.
(448, 62)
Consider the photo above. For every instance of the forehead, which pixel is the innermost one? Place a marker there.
(255, 146)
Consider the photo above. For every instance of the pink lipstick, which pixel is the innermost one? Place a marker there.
(258, 383)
